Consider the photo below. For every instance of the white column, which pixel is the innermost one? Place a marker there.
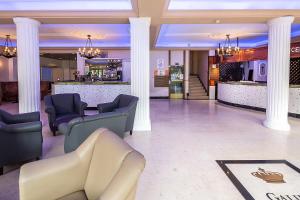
(80, 64)
(28, 64)
(278, 73)
(140, 71)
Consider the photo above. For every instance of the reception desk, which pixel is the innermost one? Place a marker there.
(93, 93)
(254, 95)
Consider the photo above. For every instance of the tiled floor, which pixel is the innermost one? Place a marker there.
(186, 139)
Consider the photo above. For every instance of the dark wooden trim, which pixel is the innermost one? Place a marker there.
(169, 60)
(164, 97)
(253, 108)
(91, 108)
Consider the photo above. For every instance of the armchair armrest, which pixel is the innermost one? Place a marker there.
(21, 118)
(23, 127)
(82, 107)
(125, 181)
(106, 107)
(50, 110)
(56, 177)
(63, 128)
(52, 178)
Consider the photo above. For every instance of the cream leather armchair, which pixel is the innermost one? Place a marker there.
(104, 167)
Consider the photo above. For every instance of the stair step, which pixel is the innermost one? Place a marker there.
(198, 98)
(198, 93)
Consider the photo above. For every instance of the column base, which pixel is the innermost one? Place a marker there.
(145, 126)
(277, 125)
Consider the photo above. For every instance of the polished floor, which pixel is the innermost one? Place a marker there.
(187, 138)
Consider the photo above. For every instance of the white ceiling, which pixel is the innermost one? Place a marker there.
(170, 35)
(66, 5)
(233, 4)
(209, 35)
(74, 35)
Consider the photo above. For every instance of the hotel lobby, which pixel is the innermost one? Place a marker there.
(149, 100)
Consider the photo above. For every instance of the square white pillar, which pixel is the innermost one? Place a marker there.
(140, 71)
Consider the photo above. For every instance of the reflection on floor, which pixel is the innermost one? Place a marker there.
(187, 138)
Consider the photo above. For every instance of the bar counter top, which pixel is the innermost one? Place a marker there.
(91, 83)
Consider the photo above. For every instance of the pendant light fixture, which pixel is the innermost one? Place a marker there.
(88, 51)
(227, 50)
(8, 50)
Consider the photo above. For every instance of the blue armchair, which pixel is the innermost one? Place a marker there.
(20, 138)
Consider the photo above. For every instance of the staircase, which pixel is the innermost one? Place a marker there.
(196, 89)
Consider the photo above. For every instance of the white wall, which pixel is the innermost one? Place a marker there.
(8, 69)
(177, 56)
(154, 56)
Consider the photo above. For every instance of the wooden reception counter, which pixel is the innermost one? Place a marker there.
(93, 93)
(254, 95)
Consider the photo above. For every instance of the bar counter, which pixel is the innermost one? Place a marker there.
(254, 96)
(93, 93)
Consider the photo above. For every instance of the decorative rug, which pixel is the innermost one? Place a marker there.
(263, 179)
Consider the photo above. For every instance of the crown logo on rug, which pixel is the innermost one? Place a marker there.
(268, 176)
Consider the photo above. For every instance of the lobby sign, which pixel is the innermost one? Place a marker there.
(295, 49)
(263, 179)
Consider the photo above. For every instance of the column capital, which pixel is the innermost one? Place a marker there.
(25, 20)
(140, 20)
(281, 20)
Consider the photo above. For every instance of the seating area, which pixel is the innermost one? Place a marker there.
(83, 138)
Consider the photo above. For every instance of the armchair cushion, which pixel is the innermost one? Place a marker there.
(80, 195)
(63, 103)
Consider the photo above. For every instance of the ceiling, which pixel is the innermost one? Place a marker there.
(210, 35)
(65, 5)
(233, 4)
(75, 35)
(174, 23)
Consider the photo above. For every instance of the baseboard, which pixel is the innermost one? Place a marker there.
(159, 97)
(254, 108)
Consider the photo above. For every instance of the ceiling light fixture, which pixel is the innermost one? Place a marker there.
(227, 50)
(9, 51)
(88, 51)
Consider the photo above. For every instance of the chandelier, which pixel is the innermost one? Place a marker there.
(9, 51)
(227, 50)
(88, 51)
